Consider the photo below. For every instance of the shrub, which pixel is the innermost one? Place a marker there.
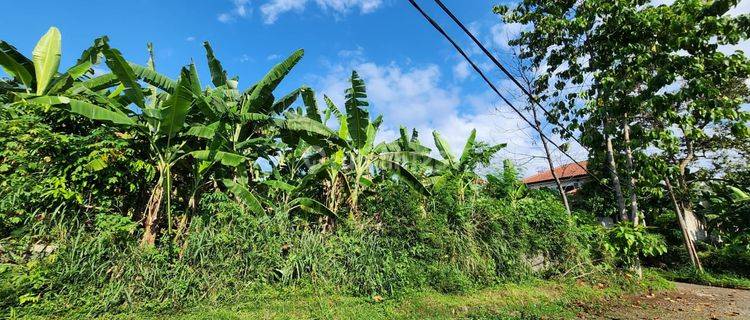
(629, 243)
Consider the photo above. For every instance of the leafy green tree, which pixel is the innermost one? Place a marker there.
(655, 78)
(159, 122)
(359, 158)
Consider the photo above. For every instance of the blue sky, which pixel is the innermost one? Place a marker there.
(248, 35)
(414, 77)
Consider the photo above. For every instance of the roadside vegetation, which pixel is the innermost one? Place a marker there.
(657, 93)
(132, 193)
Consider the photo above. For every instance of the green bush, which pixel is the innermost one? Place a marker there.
(731, 258)
(406, 242)
(629, 243)
(81, 236)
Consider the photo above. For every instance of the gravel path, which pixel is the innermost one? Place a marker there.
(688, 301)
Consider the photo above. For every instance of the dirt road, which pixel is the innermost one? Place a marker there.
(688, 301)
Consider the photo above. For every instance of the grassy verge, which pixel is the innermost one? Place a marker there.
(708, 278)
(533, 299)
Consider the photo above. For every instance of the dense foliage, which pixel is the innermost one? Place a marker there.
(131, 190)
(657, 93)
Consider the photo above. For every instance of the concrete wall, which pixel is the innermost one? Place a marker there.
(567, 184)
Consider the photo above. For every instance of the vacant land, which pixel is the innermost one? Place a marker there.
(541, 300)
(687, 301)
(531, 300)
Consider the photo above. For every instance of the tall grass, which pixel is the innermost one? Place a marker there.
(401, 243)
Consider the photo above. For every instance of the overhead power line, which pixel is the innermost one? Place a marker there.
(494, 88)
(497, 63)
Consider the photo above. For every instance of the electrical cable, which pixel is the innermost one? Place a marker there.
(494, 88)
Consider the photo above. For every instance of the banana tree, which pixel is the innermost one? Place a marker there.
(463, 168)
(412, 144)
(40, 75)
(160, 121)
(359, 158)
(294, 179)
(240, 128)
(39, 82)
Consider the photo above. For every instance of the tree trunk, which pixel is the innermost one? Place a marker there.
(184, 224)
(631, 172)
(683, 187)
(615, 178)
(355, 191)
(548, 155)
(332, 192)
(354, 202)
(689, 243)
(151, 215)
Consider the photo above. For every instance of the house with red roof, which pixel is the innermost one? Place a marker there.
(572, 176)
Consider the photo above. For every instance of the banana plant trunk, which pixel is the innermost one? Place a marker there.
(151, 215)
(168, 190)
(354, 200)
(361, 166)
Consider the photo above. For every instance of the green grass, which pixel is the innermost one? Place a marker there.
(533, 299)
(709, 278)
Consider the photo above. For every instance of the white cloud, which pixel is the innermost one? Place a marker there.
(274, 8)
(461, 70)
(342, 6)
(273, 57)
(225, 18)
(503, 32)
(241, 9)
(352, 54)
(190, 39)
(417, 97)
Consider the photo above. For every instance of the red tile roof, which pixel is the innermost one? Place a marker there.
(566, 171)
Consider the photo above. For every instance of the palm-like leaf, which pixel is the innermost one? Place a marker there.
(153, 78)
(264, 89)
(86, 109)
(101, 82)
(89, 57)
(244, 194)
(444, 149)
(281, 185)
(205, 131)
(98, 113)
(403, 173)
(60, 84)
(468, 148)
(285, 102)
(46, 57)
(125, 75)
(358, 118)
(311, 105)
(16, 64)
(178, 105)
(412, 157)
(225, 158)
(298, 123)
(218, 75)
(312, 206)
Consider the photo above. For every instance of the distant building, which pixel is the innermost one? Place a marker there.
(571, 176)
